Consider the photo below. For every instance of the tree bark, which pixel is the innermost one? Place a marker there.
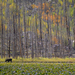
(24, 24)
(2, 32)
(74, 26)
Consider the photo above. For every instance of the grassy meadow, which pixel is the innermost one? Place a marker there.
(40, 60)
(38, 66)
(37, 69)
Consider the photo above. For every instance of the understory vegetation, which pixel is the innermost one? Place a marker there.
(37, 69)
(40, 60)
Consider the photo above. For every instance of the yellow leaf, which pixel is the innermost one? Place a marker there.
(46, 17)
(42, 17)
(70, 1)
(3, 4)
(27, 11)
(5, 27)
(38, 31)
(74, 5)
(11, 5)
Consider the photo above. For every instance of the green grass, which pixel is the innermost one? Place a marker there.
(37, 69)
(41, 60)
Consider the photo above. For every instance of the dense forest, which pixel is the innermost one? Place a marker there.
(37, 28)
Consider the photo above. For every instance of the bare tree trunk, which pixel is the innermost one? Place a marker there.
(32, 44)
(58, 33)
(62, 42)
(2, 32)
(19, 28)
(4, 41)
(0, 28)
(22, 42)
(16, 27)
(24, 22)
(9, 37)
(48, 37)
(41, 29)
(56, 29)
(27, 42)
(51, 49)
(69, 38)
(36, 38)
(9, 32)
(46, 46)
(9, 46)
(7, 16)
(14, 36)
(74, 27)
(67, 26)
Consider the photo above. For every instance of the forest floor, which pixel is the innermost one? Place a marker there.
(38, 66)
(37, 69)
